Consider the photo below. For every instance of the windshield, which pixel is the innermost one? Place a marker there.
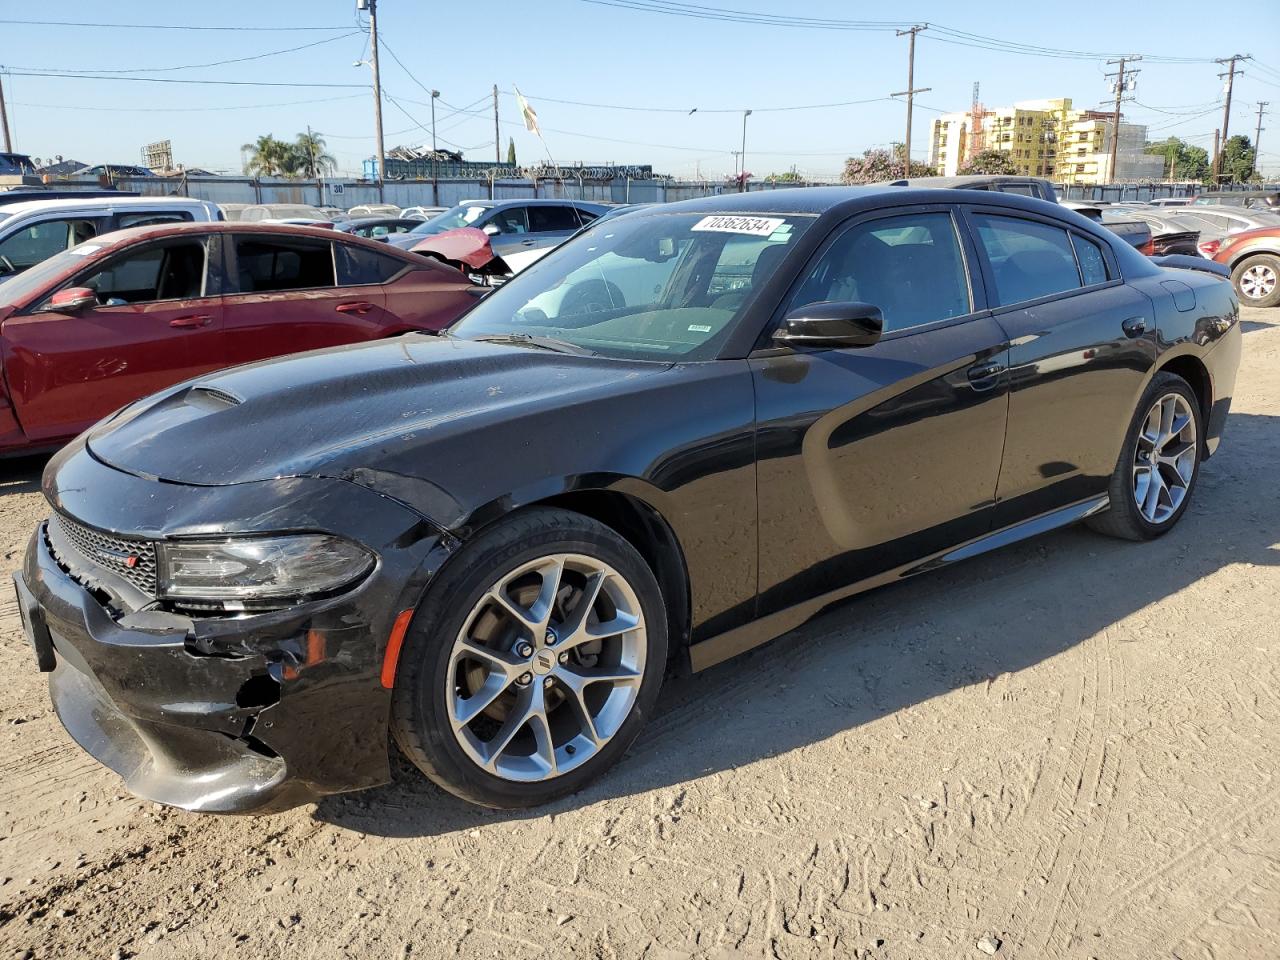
(641, 287)
(17, 288)
(463, 215)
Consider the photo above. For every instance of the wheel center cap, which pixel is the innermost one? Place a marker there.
(543, 662)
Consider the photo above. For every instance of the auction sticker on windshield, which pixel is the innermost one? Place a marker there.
(752, 226)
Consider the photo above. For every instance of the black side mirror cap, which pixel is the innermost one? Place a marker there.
(831, 323)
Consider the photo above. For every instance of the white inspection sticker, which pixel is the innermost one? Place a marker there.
(752, 226)
(85, 249)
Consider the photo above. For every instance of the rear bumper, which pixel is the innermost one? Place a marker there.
(1222, 362)
(224, 714)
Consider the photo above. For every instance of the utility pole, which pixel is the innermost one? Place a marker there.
(497, 138)
(1231, 62)
(435, 179)
(911, 91)
(1115, 117)
(4, 120)
(742, 177)
(315, 168)
(377, 93)
(1257, 138)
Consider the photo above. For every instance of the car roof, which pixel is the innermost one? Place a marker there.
(27, 206)
(530, 202)
(160, 230)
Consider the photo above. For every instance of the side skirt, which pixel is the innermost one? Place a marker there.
(717, 649)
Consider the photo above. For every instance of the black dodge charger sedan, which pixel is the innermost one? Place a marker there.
(677, 437)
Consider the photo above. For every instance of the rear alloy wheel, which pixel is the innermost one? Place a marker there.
(1158, 467)
(1257, 280)
(533, 661)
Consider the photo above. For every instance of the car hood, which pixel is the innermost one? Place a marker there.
(465, 245)
(340, 411)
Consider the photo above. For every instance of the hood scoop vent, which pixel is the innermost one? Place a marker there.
(211, 398)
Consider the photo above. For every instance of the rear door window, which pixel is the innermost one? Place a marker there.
(1093, 265)
(553, 219)
(1029, 259)
(270, 265)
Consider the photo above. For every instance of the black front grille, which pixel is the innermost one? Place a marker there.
(129, 559)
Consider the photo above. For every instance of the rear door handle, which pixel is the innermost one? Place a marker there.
(1134, 327)
(359, 309)
(195, 320)
(985, 375)
(527, 243)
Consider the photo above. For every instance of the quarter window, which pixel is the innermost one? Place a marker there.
(1028, 259)
(357, 266)
(910, 267)
(1093, 266)
(264, 266)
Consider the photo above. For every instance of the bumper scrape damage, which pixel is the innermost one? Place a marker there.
(238, 712)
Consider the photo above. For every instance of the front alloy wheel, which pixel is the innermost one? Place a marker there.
(532, 662)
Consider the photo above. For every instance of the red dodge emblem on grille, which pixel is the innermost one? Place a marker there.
(131, 561)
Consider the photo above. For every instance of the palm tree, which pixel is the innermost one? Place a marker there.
(309, 151)
(268, 157)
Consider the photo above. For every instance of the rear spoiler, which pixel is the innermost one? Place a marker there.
(1180, 261)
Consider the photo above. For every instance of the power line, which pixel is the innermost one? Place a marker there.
(215, 83)
(196, 66)
(168, 26)
(687, 111)
(242, 106)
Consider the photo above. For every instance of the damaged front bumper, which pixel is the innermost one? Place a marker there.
(243, 713)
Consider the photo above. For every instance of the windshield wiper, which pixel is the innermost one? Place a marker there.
(542, 343)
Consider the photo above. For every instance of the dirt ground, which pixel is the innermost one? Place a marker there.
(1069, 747)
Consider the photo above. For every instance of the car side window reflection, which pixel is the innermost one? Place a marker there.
(172, 272)
(911, 267)
(1029, 259)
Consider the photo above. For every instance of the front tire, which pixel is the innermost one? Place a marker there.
(1257, 280)
(1159, 463)
(533, 661)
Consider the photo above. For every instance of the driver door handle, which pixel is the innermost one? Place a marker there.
(359, 309)
(189, 322)
(527, 243)
(984, 376)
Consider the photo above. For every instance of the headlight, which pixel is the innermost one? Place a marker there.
(259, 568)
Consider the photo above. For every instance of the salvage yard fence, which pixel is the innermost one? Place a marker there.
(449, 192)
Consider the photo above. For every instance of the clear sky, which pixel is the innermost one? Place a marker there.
(609, 53)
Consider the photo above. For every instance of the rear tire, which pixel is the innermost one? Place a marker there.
(1159, 463)
(509, 692)
(1257, 280)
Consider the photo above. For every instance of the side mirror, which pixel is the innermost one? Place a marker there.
(71, 300)
(491, 229)
(831, 323)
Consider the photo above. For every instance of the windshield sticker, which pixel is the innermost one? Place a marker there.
(752, 226)
(699, 328)
(85, 249)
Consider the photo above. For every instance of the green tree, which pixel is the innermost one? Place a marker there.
(877, 164)
(269, 157)
(1237, 159)
(511, 150)
(310, 157)
(991, 162)
(1182, 161)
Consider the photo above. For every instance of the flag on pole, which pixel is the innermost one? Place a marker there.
(526, 111)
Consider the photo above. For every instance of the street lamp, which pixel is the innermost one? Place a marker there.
(742, 177)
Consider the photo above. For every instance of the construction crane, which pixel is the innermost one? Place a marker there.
(976, 110)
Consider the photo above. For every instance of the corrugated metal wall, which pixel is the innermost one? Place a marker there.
(345, 194)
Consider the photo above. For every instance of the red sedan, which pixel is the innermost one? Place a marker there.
(1253, 257)
(129, 313)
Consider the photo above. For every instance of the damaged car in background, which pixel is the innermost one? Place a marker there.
(693, 428)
